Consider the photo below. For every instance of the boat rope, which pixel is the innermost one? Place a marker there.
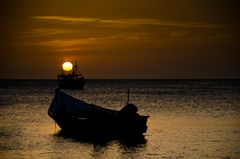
(55, 126)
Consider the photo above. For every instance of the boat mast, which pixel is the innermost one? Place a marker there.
(75, 68)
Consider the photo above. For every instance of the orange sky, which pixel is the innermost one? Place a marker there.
(120, 39)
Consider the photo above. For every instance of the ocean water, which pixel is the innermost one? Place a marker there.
(189, 119)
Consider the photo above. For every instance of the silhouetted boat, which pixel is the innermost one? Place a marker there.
(76, 116)
(72, 80)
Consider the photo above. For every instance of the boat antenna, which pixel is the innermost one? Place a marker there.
(128, 96)
(75, 67)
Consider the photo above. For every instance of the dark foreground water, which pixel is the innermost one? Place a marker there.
(188, 119)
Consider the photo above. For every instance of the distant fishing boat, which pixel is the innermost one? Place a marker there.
(76, 116)
(70, 78)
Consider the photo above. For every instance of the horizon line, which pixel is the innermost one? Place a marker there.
(50, 79)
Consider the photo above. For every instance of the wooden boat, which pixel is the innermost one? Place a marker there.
(76, 116)
(73, 80)
(70, 82)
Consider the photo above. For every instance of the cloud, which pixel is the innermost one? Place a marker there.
(91, 43)
(67, 19)
(66, 44)
(85, 34)
(43, 32)
(174, 34)
(126, 22)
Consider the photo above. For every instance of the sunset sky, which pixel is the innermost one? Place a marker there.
(120, 39)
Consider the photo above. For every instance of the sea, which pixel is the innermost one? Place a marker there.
(189, 119)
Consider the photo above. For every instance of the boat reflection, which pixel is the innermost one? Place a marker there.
(100, 139)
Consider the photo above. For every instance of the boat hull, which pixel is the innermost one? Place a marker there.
(102, 126)
(76, 116)
(70, 82)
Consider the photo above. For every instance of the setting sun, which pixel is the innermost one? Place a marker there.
(67, 66)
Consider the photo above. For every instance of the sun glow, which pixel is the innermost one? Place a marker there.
(67, 66)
